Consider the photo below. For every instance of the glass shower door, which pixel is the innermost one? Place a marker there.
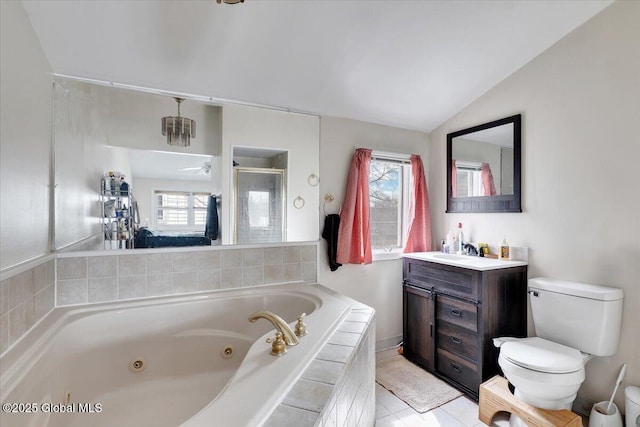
(259, 205)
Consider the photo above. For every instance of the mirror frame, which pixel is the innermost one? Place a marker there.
(498, 203)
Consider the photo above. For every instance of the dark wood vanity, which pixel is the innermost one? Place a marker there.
(451, 314)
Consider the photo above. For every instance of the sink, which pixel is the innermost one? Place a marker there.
(452, 257)
(466, 261)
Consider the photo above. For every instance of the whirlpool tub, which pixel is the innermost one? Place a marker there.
(192, 360)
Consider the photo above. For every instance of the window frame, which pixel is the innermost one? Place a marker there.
(406, 181)
(472, 172)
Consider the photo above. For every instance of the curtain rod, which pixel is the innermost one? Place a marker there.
(392, 157)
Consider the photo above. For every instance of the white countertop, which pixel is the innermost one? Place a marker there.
(465, 261)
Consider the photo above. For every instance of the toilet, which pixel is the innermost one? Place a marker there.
(573, 322)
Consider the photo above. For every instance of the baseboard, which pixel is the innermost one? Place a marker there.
(387, 343)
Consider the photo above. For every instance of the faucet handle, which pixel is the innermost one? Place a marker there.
(278, 346)
(301, 328)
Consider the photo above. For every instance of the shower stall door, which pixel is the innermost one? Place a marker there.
(259, 205)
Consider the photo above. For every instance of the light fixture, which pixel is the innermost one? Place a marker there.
(179, 130)
(229, 1)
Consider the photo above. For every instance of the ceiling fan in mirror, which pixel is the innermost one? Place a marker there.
(201, 170)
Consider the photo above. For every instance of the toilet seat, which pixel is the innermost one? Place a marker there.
(542, 355)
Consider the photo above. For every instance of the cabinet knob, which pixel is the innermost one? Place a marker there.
(455, 367)
(456, 340)
(455, 312)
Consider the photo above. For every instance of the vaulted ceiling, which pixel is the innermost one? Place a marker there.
(409, 64)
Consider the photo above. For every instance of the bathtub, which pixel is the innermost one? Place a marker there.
(190, 360)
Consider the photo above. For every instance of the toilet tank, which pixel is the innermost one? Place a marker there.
(585, 317)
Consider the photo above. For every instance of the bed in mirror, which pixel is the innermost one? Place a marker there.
(484, 167)
(100, 128)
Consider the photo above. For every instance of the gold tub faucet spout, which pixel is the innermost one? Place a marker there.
(281, 326)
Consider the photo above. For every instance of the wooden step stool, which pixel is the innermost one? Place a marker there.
(495, 397)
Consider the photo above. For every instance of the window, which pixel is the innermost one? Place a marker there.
(181, 210)
(468, 179)
(389, 188)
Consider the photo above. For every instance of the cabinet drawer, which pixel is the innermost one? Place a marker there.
(456, 340)
(454, 280)
(458, 369)
(457, 312)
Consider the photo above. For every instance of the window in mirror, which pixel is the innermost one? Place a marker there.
(388, 202)
(468, 180)
(181, 210)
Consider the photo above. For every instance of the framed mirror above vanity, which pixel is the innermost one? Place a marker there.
(484, 167)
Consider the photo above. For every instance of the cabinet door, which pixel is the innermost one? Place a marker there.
(418, 343)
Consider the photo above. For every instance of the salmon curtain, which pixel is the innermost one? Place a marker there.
(489, 189)
(354, 236)
(419, 235)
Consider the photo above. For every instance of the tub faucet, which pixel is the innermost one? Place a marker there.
(281, 326)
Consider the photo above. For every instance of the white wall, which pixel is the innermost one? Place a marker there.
(378, 285)
(295, 133)
(25, 139)
(580, 102)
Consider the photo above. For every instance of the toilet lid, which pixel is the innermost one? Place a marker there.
(542, 355)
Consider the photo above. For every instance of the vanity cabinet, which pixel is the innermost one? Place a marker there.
(451, 314)
(418, 328)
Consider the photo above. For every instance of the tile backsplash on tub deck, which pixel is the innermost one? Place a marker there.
(25, 298)
(338, 387)
(109, 277)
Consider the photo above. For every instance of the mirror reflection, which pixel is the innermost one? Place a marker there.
(483, 162)
(172, 188)
(259, 195)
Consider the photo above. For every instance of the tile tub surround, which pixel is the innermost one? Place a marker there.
(25, 298)
(338, 387)
(109, 276)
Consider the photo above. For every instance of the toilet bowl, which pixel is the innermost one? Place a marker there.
(545, 374)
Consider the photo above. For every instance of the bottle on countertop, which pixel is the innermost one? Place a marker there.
(503, 249)
(460, 247)
(450, 242)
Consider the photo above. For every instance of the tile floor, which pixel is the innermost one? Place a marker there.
(393, 412)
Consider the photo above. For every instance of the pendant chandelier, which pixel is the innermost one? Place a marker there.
(178, 130)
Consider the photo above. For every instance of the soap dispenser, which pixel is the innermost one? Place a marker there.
(450, 247)
(503, 249)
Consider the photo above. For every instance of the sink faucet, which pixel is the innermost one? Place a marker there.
(281, 326)
(471, 250)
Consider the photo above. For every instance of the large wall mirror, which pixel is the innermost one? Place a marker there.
(484, 167)
(101, 128)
